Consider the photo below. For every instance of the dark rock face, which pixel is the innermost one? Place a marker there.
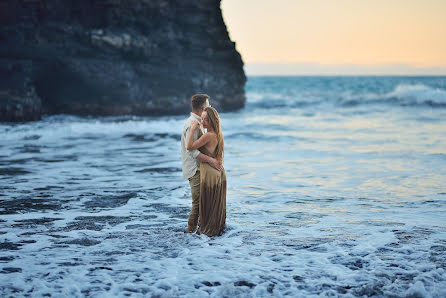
(18, 98)
(115, 57)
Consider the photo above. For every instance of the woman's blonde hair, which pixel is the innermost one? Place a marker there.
(214, 121)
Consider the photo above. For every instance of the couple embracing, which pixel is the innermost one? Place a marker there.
(202, 157)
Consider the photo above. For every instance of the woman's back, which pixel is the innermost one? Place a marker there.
(211, 146)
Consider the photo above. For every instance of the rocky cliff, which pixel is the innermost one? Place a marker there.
(115, 57)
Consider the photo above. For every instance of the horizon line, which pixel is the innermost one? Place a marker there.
(318, 69)
(346, 75)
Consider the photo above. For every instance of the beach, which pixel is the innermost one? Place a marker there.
(336, 186)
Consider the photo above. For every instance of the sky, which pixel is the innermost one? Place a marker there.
(339, 36)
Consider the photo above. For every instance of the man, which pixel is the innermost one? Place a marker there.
(191, 159)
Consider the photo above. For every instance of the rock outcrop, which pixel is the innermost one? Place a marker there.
(115, 57)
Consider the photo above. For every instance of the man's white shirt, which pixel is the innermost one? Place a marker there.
(189, 157)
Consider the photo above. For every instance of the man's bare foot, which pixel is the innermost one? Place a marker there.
(190, 229)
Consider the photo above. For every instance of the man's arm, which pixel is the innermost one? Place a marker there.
(211, 161)
(194, 152)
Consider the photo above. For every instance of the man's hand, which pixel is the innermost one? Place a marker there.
(215, 164)
(211, 161)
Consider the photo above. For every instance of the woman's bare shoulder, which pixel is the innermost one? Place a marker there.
(211, 135)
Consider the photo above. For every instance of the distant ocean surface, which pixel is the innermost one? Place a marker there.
(336, 187)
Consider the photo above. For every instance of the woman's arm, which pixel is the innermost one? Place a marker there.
(200, 142)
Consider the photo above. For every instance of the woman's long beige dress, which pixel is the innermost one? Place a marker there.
(212, 208)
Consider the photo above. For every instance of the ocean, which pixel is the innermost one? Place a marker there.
(336, 187)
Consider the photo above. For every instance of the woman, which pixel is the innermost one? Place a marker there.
(212, 210)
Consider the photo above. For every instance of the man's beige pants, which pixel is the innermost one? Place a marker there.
(194, 183)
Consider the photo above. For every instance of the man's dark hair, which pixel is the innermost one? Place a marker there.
(198, 100)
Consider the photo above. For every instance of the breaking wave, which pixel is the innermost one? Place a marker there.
(355, 93)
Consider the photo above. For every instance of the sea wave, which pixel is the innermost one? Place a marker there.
(418, 94)
(400, 95)
(55, 128)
